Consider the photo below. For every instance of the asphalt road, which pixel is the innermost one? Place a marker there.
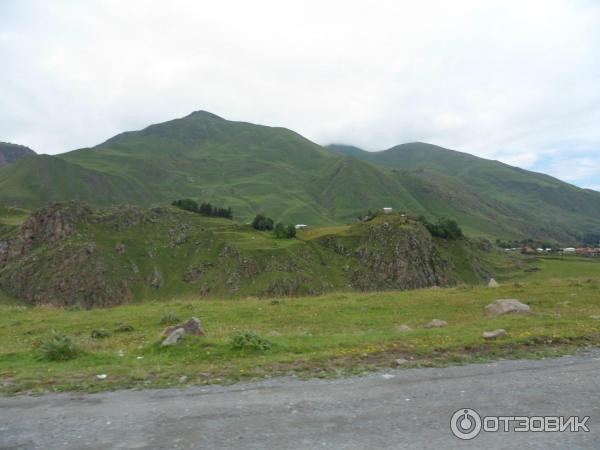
(404, 408)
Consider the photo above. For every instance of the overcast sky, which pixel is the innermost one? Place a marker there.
(517, 81)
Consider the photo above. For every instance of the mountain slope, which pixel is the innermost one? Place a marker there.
(9, 153)
(259, 169)
(489, 195)
(248, 167)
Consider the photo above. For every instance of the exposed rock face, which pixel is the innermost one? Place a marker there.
(48, 225)
(395, 258)
(506, 306)
(45, 269)
(493, 283)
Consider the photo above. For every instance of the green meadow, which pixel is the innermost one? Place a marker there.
(331, 335)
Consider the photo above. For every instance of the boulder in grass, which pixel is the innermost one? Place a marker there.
(506, 306)
(490, 335)
(404, 328)
(436, 323)
(173, 338)
(192, 327)
(493, 283)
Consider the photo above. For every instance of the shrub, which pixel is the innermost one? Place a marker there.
(444, 228)
(58, 348)
(123, 328)
(262, 223)
(290, 231)
(170, 319)
(249, 340)
(279, 231)
(283, 232)
(100, 334)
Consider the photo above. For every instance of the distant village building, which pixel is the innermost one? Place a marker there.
(387, 210)
(301, 226)
(569, 250)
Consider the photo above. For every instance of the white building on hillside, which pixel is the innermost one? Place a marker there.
(387, 210)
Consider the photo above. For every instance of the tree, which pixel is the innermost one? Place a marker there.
(187, 203)
(280, 231)
(262, 223)
(444, 228)
(291, 232)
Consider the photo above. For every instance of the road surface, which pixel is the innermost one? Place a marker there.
(396, 409)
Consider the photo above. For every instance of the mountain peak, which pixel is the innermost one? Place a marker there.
(201, 114)
(9, 153)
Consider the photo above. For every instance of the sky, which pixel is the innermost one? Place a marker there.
(516, 81)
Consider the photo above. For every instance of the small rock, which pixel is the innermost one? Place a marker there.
(494, 334)
(387, 376)
(436, 323)
(401, 361)
(506, 306)
(274, 334)
(192, 327)
(120, 248)
(595, 317)
(182, 379)
(140, 357)
(204, 290)
(404, 328)
(101, 376)
(173, 338)
(493, 283)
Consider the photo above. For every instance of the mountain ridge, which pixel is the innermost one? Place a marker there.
(272, 170)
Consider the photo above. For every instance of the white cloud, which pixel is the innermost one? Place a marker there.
(509, 80)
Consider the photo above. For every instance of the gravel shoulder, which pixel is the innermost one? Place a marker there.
(395, 409)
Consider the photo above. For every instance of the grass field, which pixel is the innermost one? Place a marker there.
(324, 336)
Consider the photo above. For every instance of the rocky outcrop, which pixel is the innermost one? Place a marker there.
(48, 225)
(396, 257)
(67, 254)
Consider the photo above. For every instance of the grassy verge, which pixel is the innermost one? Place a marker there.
(323, 336)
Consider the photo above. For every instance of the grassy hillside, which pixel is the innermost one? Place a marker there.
(326, 336)
(68, 254)
(259, 169)
(489, 197)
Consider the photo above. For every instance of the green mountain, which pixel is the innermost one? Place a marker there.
(488, 196)
(9, 153)
(259, 169)
(248, 167)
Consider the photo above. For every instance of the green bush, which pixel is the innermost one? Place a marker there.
(170, 319)
(283, 232)
(100, 334)
(58, 348)
(262, 223)
(444, 228)
(249, 340)
(123, 328)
